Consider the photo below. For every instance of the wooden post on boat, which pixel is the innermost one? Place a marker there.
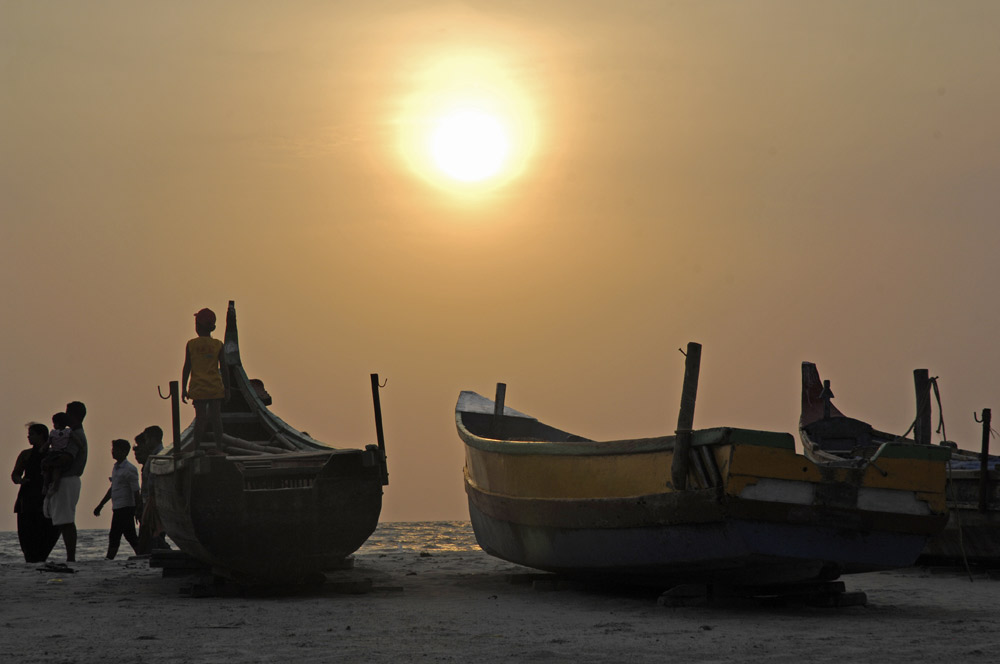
(984, 464)
(922, 427)
(685, 419)
(378, 428)
(498, 408)
(175, 415)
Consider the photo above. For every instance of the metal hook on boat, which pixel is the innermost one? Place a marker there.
(160, 391)
(975, 416)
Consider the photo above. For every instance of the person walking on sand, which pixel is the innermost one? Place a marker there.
(205, 365)
(35, 532)
(124, 495)
(60, 506)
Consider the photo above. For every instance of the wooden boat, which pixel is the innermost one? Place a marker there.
(277, 505)
(829, 436)
(972, 533)
(746, 509)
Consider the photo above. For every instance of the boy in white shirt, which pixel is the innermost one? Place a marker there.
(124, 495)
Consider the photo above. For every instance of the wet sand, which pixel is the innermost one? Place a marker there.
(462, 606)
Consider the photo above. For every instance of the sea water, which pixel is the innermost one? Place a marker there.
(393, 536)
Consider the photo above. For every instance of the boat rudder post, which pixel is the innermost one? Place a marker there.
(922, 387)
(984, 462)
(498, 407)
(685, 419)
(379, 433)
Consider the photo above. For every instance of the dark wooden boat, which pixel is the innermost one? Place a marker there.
(745, 508)
(277, 505)
(972, 533)
(828, 435)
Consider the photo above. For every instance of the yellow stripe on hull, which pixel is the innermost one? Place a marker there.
(741, 465)
(571, 477)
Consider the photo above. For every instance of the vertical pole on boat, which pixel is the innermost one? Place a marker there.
(922, 427)
(378, 428)
(175, 415)
(685, 420)
(498, 407)
(984, 464)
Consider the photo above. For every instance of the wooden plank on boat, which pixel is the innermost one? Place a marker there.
(233, 441)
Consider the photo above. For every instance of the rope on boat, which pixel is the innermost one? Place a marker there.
(924, 404)
(975, 416)
(958, 523)
(937, 395)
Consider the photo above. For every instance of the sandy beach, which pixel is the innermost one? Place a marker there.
(468, 606)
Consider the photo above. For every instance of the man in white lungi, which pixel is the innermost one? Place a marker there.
(60, 506)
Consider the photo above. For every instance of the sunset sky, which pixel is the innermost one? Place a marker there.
(778, 180)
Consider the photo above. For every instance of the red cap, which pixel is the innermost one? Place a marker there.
(205, 317)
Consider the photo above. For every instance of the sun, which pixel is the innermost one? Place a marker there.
(466, 126)
(469, 145)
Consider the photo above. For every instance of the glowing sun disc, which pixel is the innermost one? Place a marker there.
(469, 145)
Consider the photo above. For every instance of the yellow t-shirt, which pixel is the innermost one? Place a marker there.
(206, 381)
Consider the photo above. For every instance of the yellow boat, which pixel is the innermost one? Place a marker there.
(746, 510)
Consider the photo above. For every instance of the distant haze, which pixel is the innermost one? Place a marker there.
(780, 181)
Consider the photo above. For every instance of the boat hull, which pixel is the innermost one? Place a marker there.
(729, 549)
(752, 511)
(972, 534)
(281, 524)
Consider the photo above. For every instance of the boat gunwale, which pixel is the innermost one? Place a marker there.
(700, 437)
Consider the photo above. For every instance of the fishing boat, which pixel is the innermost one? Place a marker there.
(274, 504)
(829, 436)
(972, 536)
(722, 505)
(972, 533)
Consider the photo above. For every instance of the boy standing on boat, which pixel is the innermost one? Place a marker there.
(124, 495)
(205, 365)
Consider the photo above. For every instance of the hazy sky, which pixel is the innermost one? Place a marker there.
(780, 181)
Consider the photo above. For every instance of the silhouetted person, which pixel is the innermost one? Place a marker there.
(60, 506)
(151, 533)
(124, 495)
(56, 460)
(205, 364)
(35, 531)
